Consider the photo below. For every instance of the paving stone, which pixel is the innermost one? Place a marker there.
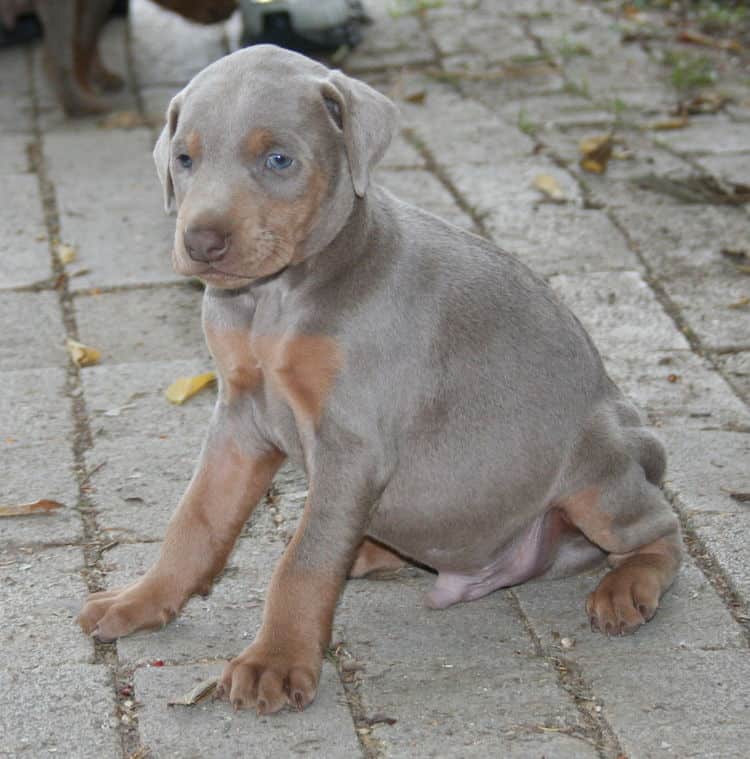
(730, 168)
(33, 334)
(13, 155)
(458, 682)
(15, 101)
(128, 401)
(34, 473)
(191, 46)
(677, 704)
(42, 589)
(459, 132)
(425, 190)
(737, 369)
(645, 355)
(555, 110)
(401, 154)
(554, 239)
(111, 207)
(66, 710)
(691, 617)
(144, 325)
(705, 467)
(212, 729)
(725, 537)
(702, 136)
(493, 35)
(217, 627)
(24, 251)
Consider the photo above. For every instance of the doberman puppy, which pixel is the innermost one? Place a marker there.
(446, 407)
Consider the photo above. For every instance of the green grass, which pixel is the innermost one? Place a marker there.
(689, 71)
(525, 124)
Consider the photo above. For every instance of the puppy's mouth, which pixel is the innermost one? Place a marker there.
(216, 276)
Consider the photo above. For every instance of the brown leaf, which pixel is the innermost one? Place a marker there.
(678, 122)
(197, 694)
(417, 97)
(696, 189)
(595, 153)
(66, 253)
(43, 506)
(743, 302)
(705, 102)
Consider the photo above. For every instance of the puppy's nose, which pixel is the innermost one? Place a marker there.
(205, 244)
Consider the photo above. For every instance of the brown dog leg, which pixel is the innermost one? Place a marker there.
(374, 557)
(92, 15)
(629, 595)
(225, 488)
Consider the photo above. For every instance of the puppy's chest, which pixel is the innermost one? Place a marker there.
(278, 372)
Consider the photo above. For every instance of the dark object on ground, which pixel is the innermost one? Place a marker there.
(304, 26)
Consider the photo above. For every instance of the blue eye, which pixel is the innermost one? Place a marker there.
(185, 161)
(279, 161)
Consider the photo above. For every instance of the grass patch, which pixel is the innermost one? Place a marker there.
(688, 71)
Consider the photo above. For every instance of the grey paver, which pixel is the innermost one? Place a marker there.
(33, 334)
(135, 326)
(24, 252)
(41, 591)
(212, 729)
(111, 207)
(677, 704)
(66, 710)
(737, 367)
(464, 677)
(701, 137)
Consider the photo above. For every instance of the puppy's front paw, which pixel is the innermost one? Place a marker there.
(142, 605)
(267, 678)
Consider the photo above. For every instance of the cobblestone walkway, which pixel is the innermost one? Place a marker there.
(654, 257)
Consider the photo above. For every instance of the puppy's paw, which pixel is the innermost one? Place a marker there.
(625, 599)
(143, 605)
(266, 679)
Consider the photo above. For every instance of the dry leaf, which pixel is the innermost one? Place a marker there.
(123, 120)
(200, 693)
(417, 97)
(705, 102)
(82, 355)
(678, 122)
(743, 302)
(595, 153)
(186, 387)
(548, 186)
(23, 509)
(66, 253)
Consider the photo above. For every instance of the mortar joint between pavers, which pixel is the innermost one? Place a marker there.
(372, 747)
(598, 732)
(104, 653)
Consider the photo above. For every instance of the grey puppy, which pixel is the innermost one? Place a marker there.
(446, 407)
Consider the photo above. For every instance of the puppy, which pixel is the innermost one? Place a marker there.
(446, 406)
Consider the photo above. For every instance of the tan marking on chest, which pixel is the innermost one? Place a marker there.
(301, 368)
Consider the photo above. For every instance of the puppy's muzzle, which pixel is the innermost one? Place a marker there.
(206, 245)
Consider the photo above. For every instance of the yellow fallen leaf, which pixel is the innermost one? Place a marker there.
(548, 185)
(66, 253)
(186, 387)
(595, 153)
(82, 355)
(23, 509)
(678, 122)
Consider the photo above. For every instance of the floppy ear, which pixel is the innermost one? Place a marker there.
(162, 152)
(367, 120)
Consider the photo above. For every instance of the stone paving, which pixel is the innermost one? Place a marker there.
(492, 95)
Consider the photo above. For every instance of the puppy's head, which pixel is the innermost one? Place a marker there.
(263, 155)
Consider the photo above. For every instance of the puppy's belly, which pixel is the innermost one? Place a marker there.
(529, 554)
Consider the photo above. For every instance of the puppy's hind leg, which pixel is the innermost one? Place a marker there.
(627, 516)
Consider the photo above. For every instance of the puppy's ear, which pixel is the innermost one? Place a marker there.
(162, 152)
(367, 120)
